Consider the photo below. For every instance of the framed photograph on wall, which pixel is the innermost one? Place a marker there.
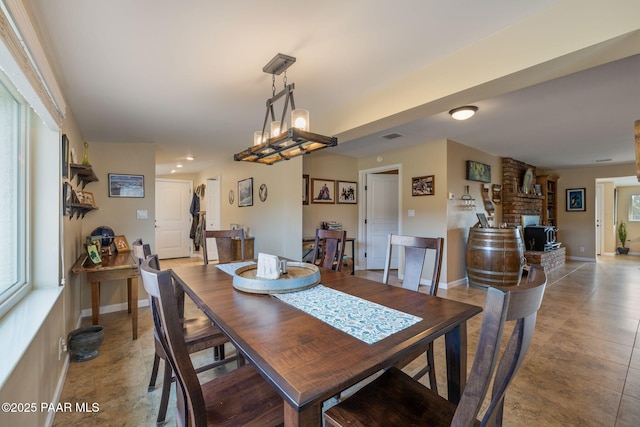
(123, 185)
(423, 185)
(575, 200)
(323, 190)
(245, 192)
(477, 171)
(347, 192)
(305, 189)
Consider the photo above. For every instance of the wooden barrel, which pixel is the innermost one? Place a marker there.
(495, 256)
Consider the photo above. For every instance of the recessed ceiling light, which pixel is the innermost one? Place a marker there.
(179, 165)
(190, 158)
(463, 113)
(173, 171)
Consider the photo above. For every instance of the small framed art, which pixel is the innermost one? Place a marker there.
(305, 189)
(575, 199)
(121, 185)
(423, 185)
(322, 190)
(477, 171)
(347, 192)
(121, 244)
(245, 192)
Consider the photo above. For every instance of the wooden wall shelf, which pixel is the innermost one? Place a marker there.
(84, 173)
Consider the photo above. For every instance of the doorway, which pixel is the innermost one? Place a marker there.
(379, 214)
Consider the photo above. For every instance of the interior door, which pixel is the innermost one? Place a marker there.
(599, 219)
(173, 219)
(381, 218)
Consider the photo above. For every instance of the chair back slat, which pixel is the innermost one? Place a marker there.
(332, 243)
(223, 244)
(415, 253)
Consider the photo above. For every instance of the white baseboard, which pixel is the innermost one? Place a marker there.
(58, 392)
(113, 308)
(460, 282)
(585, 259)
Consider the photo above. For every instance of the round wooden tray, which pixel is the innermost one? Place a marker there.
(299, 276)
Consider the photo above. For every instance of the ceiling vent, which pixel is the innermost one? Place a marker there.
(392, 136)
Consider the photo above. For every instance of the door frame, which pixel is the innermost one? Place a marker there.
(362, 209)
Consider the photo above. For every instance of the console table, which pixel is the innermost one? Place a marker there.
(114, 267)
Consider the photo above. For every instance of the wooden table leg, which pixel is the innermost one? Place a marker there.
(129, 296)
(456, 345)
(95, 302)
(310, 416)
(132, 284)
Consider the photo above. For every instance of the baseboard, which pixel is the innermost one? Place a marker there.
(460, 282)
(585, 259)
(113, 308)
(56, 395)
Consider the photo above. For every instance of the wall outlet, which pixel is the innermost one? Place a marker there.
(411, 212)
(62, 347)
(581, 248)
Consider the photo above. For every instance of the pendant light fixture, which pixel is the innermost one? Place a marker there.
(281, 141)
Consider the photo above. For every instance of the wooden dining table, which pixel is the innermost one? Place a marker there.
(308, 361)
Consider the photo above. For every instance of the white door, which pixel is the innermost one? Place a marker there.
(599, 219)
(173, 219)
(381, 218)
(212, 196)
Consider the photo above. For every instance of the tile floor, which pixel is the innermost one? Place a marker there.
(583, 368)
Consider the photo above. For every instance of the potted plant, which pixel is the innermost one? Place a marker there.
(622, 236)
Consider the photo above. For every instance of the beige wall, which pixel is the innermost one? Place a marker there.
(577, 229)
(119, 213)
(275, 223)
(325, 165)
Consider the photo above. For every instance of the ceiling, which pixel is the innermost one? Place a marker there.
(187, 76)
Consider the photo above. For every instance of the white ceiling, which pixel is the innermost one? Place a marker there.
(187, 76)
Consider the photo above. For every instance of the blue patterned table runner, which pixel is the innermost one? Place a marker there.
(362, 319)
(231, 267)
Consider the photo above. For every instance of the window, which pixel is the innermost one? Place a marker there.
(634, 208)
(12, 204)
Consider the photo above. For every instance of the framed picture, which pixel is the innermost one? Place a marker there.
(121, 185)
(347, 192)
(575, 200)
(79, 196)
(305, 189)
(121, 244)
(482, 218)
(87, 198)
(423, 185)
(322, 190)
(65, 156)
(477, 171)
(245, 192)
(94, 254)
(67, 198)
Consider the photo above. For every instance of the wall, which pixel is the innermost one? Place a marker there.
(275, 223)
(119, 213)
(633, 227)
(577, 229)
(325, 165)
(458, 219)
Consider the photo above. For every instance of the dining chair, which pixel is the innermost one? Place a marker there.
(394, 398)
(199, 334)
(223, 244)
(237, 398)
(328, 249)
(415, 254)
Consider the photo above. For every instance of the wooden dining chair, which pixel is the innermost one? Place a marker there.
(328, 249)
(223, 244)
(240, 397)
(415, 254)
(394, 398)
(199, 334)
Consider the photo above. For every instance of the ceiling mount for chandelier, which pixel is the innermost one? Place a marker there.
(281, 141)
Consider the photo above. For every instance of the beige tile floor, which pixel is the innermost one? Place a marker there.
(583, 368)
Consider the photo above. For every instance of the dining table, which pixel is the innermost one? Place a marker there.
(307, 356)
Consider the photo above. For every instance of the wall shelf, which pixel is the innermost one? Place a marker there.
(84, 173)
(79, 210)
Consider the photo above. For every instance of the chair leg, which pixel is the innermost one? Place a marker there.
(166, 389)
(154, 372)
(218, 352)
(432, 369)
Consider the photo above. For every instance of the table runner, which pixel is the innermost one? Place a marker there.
(362, 319)
(231, 267)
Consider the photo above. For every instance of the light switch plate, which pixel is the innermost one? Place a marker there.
(411, 212)
(141, 214)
